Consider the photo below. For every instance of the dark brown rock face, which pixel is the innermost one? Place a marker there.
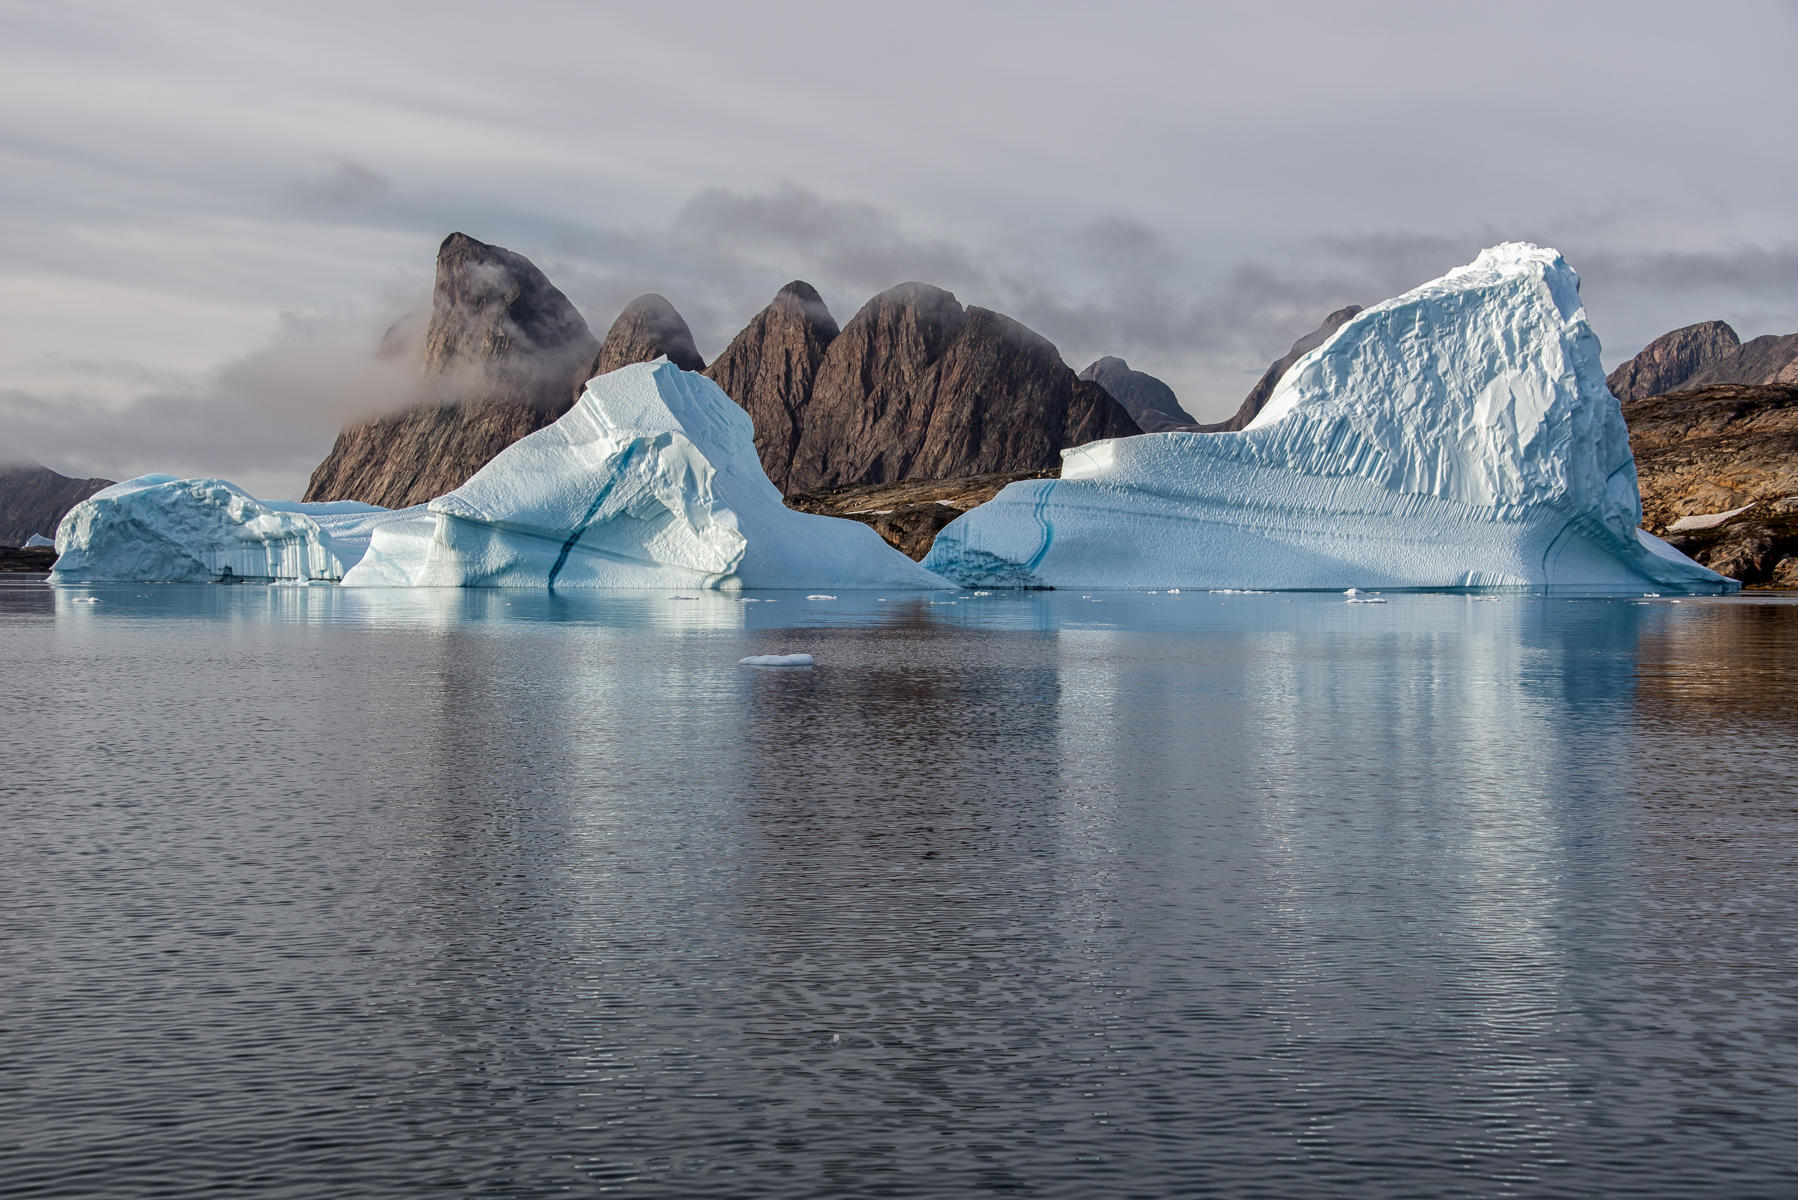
(1762, 362)
(1264, 387)
(1150, 402)
(1717, 448)
(500, 347)
(769, 369)
(35, 499)
(916, 387)
(646, 330)
(1671, 359)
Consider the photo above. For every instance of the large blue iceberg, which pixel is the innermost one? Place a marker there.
(650, 480)
(1460, 435)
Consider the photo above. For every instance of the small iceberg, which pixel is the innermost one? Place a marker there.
(776, 660)
(161, 529)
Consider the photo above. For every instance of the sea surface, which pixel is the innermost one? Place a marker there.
(320, 892)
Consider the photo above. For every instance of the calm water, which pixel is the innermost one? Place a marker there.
(310, 892)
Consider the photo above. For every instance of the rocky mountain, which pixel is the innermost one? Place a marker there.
(497, 355)
(1764, 361)
(917, 387)
(1150, 402)
(1712, 450)
(770, 367)
(33, 499)
(647, 329)
(1671, 359)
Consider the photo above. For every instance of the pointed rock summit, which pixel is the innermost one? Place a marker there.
(649, 328)
(769, 369)
(500, 346)
(1150, 402)
(917, 387)
(1671, 359)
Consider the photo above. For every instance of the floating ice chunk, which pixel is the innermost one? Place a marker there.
(776, 660)
(160, 529)
(1460, 435)
(820, 596)
(36, 540)
(650, 481)
(1364, 600)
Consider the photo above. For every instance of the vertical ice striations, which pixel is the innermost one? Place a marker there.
(160, 529)
(1458, 435)
(650, 480)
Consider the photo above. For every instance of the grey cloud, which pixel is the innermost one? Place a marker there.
(263, 420)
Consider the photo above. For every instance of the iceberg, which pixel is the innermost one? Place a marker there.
(1458, 436)
(650, 481)
(160, 529)
(36, 540)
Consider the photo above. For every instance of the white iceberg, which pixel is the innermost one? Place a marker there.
(650, 481)
(36, 540)
(1460, 435)
(160, 529)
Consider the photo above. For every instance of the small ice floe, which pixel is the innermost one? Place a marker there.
(1153, 592)
(749, 599)
(1651, 595)
(87, 600)
(1365, 600)
(776, 660)
(1352, 592)
(1173, 591)
(983, 593)
(820, 596)
(880, 599)
(683, 597)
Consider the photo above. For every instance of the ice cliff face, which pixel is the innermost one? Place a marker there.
(651, 480)
(159, 529)
(1458, 435)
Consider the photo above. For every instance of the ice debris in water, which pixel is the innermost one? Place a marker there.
(776, 660)
(820, 596)
(650, 481)
(1460, 435)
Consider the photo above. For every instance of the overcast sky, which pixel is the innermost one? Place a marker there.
(211, 212)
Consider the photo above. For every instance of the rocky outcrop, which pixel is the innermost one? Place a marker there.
(916, 387)
(649, 328)
(34, 499)
(1666, 363)
(770, 367)
(500, 347)
(1717, 449)
(1150, 402)
(909, 515)
(1264, 387)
